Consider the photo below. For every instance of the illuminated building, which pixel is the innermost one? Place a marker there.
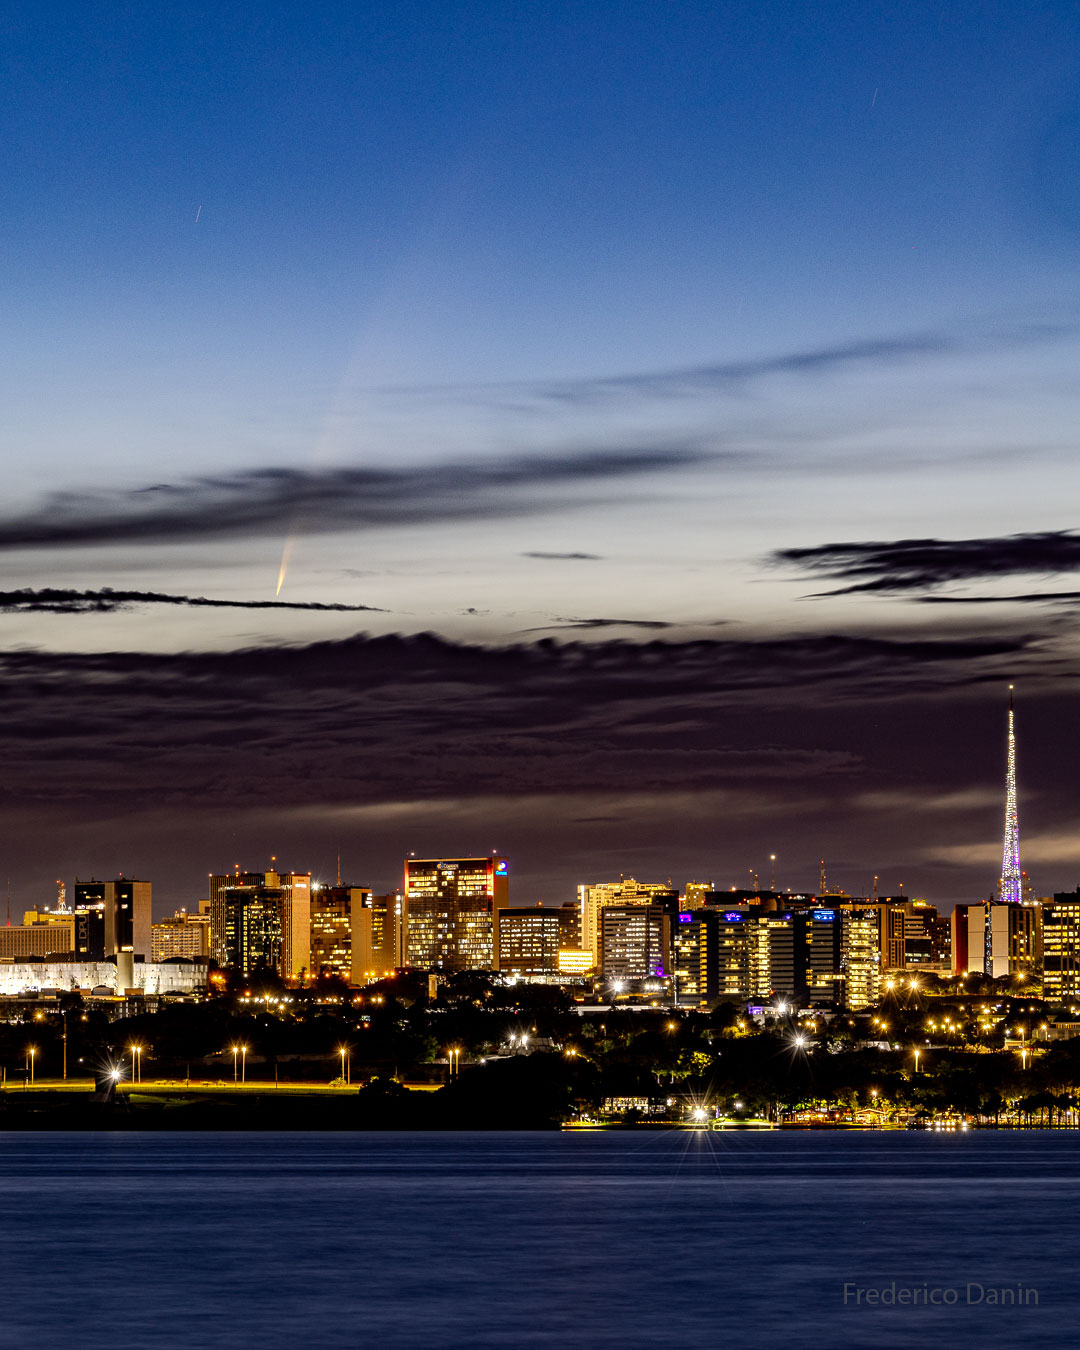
(183, 934)
(125, 910)
(262, 920)
(332, 925)
(695, 894)
(711, 957)
(860, 957)
(1002, 938)
(1061, 947)
(822, 932)
(451, 911)
(635, 943)
(575, 962)
(178, 977)
(18, 941)
(378, 937)
(958, 926)
(626, 891)
(530, 941)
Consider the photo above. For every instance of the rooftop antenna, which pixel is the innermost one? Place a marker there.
(339, 865)
(875, 888)
(822, 890)
(9, 902)
(772, 871)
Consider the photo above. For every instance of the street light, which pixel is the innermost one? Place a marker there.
(31, 1051)
(136, 1063)
(343, 1051)
(243, 1064)
(235, 1052)
(454, 1055)
(917, 1053)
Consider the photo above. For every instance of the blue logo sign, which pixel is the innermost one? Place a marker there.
(732, 917)
(502, 867)
(686, 918)
(825, 915)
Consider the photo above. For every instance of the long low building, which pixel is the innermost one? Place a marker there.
(150, 977)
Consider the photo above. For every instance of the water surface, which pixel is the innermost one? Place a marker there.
(593, 1240)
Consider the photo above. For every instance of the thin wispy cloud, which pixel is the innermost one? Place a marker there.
(55, 600)
(708, 379)
(559, 623)
(563, 557)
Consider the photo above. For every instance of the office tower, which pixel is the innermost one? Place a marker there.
(1011, 887)
(43, 940)
(695, 893)
(333, 923)
(378, 936)
(451, 911)
(125, 910)
(262, 920)
(1002, 939)
(183, 934)
(712, 955)
(958, 932)
(1061, 947)
(530, 941)
(822, 932)
(625, 891)
(693, 957)
(927, 943)
(635, 944)
(860, 957)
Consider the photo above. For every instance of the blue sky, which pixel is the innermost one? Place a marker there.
(543, 320)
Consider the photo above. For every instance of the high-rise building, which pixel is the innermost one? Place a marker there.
(262, 920)
(378, 940)
(36, 939)
(711, 955)
(530, 941)
(126, 916)
(1002, 939)
(334, 910)
(635, 944)
(1061, 947)
(452, 910)
(182, 934)
(860, 957)
(626, 891)
(695, 894)
(1010, 889)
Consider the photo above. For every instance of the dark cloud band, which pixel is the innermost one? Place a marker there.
(922, 564)
(274, 501)
(50, 600)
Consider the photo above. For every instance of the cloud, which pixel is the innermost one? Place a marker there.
(690, 382)
(274, 500)
(51, 600)
(923, 564)
(709, 754)
(1024, 598)
(427, 716)
(565, 557)
(560, 623)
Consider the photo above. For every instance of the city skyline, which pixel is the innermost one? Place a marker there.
(599, 435)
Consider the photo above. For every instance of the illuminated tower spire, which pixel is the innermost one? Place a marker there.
(1011, 887)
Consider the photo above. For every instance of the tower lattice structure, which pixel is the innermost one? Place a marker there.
(1011, 884)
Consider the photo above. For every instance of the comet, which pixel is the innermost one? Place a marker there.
(285, 552)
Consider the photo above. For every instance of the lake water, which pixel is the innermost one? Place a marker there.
(595, 1240)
